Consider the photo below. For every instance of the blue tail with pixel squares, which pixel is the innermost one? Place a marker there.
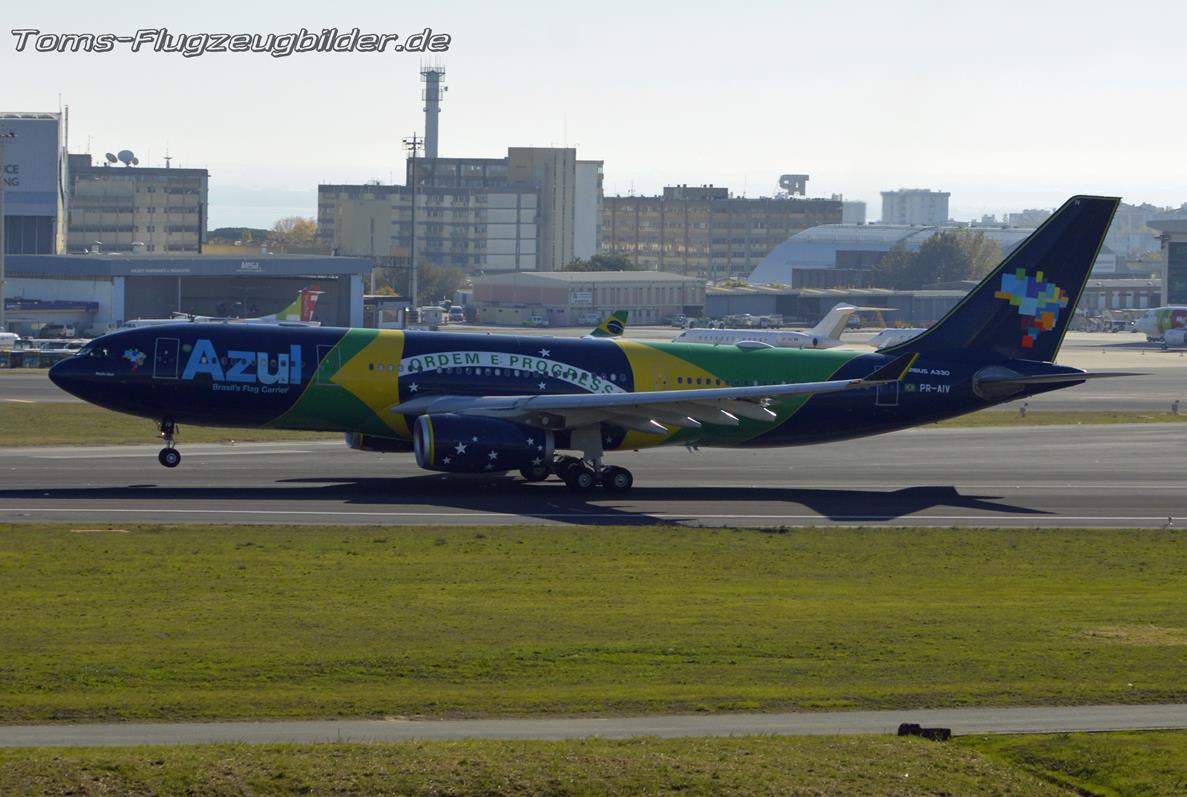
(1023, 308)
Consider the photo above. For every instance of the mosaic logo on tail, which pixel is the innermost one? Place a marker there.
(1038, 302)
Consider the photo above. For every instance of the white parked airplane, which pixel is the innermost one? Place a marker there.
(824, 335)
(299, 312)
(892, 337)
(1168, 324)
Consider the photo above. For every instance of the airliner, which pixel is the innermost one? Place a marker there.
(1168, 324)
(480, 404)
(299, 312)
(825, 335)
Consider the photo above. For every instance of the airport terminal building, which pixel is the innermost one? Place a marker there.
(96, 293)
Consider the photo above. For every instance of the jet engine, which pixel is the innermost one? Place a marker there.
(464, 444)
(1175, 337)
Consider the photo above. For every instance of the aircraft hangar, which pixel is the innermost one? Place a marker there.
(98, 292)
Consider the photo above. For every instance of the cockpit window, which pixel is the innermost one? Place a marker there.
(94, 350)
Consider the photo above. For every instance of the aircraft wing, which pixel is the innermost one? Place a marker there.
(648, 411)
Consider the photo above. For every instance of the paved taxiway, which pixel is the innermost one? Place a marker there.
(1118, 475)
(1047, 719)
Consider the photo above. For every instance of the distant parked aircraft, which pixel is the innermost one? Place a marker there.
(824, 335)
(892, 336)
(300, 311)
(612, 327)
(1168, 324)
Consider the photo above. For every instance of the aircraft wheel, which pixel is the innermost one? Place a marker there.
(169, 457)
(617, 480)
(580, 478)
(535, 473)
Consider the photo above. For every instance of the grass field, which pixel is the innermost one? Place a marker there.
(1123, 764)
(1150, 764)
(232, 622)
(84, 424)
(738, 766)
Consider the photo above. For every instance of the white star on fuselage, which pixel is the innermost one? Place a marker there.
(545, 352)
(460, 448)
(413, 387)
(542, 385)
(493, 455)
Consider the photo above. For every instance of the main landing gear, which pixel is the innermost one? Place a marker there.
(169, 456)
(583, 475)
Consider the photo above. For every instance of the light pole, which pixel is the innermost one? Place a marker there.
(413, 144)
(4, 136)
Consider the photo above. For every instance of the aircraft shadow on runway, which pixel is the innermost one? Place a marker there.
(508, 495)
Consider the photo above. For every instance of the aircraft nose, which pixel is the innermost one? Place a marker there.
(65, 374)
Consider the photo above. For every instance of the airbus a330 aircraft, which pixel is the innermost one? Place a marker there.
(825, 335)
(468, 403)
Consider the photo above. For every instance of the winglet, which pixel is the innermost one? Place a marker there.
(894, 370)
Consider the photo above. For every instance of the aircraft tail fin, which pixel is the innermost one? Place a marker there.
(612, 326)
(1022, 309)
(302, 307)
(833, 323)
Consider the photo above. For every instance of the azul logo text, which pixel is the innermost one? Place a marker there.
(248, 367)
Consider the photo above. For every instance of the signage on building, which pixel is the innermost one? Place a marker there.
(581, 297)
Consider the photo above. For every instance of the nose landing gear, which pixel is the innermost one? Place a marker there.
(169, 456)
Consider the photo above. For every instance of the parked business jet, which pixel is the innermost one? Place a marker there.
(824, 335)
(892, 336)
(472, 403)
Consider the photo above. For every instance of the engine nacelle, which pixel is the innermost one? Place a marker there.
(370, 442)
(463, 444)
(1175, 337)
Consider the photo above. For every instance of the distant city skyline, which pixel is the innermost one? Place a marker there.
(1007, 110)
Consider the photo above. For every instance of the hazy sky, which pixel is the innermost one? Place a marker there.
(1007, 105)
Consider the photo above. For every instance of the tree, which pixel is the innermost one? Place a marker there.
(243, 235)
(433, 283)
(293, 231)
(600, 262)
(947, 256)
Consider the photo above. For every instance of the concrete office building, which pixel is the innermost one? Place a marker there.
(116, 206)
(1174, 259)
(470, 228)
(35, 175)
(704, 232)
(535, 210)
(914, 206)
(579, 298)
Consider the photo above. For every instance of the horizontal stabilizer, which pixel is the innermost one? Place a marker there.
(1051, 379)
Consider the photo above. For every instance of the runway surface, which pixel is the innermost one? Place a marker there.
(1165, 378)
(1119, 475)
(960, 721)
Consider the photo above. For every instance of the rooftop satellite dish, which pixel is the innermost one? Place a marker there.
(126, 157)
(110, 158)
